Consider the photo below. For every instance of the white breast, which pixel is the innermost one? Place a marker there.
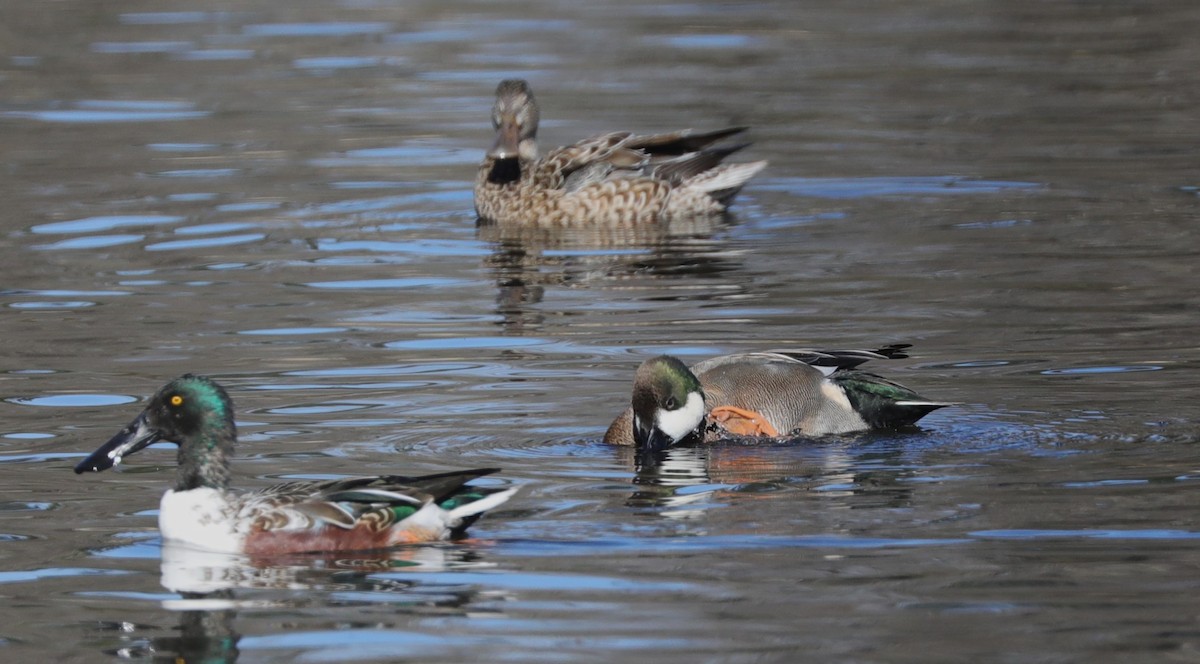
(200, 518)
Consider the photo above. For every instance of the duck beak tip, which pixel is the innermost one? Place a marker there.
(137, 435)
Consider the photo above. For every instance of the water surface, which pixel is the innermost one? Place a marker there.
(279, 196)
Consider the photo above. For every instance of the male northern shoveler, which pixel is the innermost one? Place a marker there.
(613, 179)
(350, 514)
(773, 393)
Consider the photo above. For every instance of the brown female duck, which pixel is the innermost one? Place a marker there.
(613, 179)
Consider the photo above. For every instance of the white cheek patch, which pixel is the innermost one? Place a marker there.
(681, 421)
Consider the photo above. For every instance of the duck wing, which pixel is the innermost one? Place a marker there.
(679, 143)
(673, 157)
(829, 361)
(345, 503)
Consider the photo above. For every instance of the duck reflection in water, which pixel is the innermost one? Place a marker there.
(864, 470)
(189, 570)
(208, 605)
(523, 269)
(206, 632)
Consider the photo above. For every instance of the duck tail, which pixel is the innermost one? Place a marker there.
(922, 408)
(931, 405)
(882, 403)
(725, 181)
(880, 414)
(483, 504)
(462, 516)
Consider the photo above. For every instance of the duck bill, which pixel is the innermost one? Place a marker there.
(135, 436)
(508, 140)
(651, 439)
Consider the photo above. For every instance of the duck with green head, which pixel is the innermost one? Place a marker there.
(774, 393)
(349, 514)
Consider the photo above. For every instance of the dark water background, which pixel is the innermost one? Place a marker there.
(278, 194)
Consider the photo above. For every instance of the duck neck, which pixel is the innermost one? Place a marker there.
(204, 461)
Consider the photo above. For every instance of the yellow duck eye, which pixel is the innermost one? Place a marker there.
(176, 400)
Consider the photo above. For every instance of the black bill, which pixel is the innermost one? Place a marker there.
(135, 436)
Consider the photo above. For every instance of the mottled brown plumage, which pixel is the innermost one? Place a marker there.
(615, 179)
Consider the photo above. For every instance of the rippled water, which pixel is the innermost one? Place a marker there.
(279, 195)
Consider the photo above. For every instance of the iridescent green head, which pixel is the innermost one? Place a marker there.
(668, 403)
(191, 411)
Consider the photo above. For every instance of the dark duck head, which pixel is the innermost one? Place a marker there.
(668, 403)
(190, 411)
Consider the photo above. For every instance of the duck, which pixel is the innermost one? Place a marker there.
(350, 514)
(614, 179)
(773, 394)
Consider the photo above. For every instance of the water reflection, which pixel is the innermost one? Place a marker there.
(865, 471)
(187, 570)
(525, 260)
(206, 634)
(209, 600)
(899, 134)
